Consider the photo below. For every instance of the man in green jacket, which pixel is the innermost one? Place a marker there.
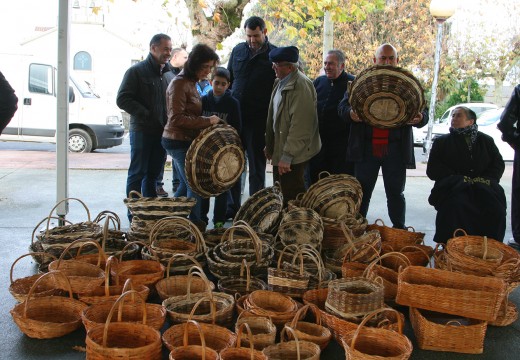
(291, 136)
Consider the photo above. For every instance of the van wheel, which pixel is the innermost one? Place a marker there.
(79, 141)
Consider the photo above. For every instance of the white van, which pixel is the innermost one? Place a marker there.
(442, 125)
(93, 123)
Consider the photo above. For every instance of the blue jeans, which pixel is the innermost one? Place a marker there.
(146, 159)
(178, 155)
(175, 177)
(394, 179)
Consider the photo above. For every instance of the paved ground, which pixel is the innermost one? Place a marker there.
(27, 194)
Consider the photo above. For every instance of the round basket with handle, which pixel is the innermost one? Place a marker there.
(301, 226)
(215, 160)
(111, 292)
(114, 240)
(262, 328)
(19, 288)
(217, 337)
(242, 353)
(292, 282)
(375, 343)
(127, 311)
(294, 349)
(82, 276)
(123, 340)
(48, 317)
(242, 285)
(386, 96)
(418, 255)
(36, 245)
(279, 307)
(314, 332)
(190, 352)
(142, 272)
(397, 238)
(388, 275)
(178, 284)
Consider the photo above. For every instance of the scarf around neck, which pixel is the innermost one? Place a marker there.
(468, 131)
(380, 142)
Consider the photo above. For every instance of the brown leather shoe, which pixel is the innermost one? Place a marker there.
(161, 192)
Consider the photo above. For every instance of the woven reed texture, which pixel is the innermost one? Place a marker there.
(123, 340)
(314, 332)
(453, 293)
(375, 343)
(190, 352)
(178, 284)
(295, 349)
(49, 316)
(386, 96)
(280, 308)
(243, 285)
(301, 226)
(439, 332)
(155, 208)
(397, 238)
(215, 160)
(263, 329)
(243, 353)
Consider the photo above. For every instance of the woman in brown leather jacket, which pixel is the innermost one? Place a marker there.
(185, 120)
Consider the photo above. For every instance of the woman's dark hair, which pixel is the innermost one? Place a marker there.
(470, 114)
(200, 54)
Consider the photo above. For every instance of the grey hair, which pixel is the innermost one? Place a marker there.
(340, 55)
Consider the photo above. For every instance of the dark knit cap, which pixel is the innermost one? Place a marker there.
(288, 54)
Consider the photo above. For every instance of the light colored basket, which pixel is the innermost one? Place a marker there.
(295, 349)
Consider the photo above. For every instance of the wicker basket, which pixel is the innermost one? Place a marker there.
(82, 276)
(19, 288)
(288, 282)
(507, 314)
(314, 332)
(262, 328)
(418, 255)
(386, 96)
(295, 349)
(123, 340)
(397, 238)
(451, 293)
(156, 208)
(375, 343)
(109, 292)
(154, 315)
(440, 332)
(334, 234)
(241, 285)
(364, 248)
(279, 307)
(215, 160)
(49, 316)
(353, 297)
(178, 284)
(190, 352)
(389, 276)
(301, 226)
(242, 353)
(217, 337)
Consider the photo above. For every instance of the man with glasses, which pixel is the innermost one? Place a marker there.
(142, 94)
(291, 136)
(252, 80)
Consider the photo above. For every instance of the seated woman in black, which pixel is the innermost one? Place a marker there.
(466, 167)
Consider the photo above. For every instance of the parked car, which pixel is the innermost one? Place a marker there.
(487, 123)
(442, 124)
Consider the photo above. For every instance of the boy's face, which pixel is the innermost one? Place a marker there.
(220, 85)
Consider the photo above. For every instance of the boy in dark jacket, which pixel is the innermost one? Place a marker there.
(219, 101)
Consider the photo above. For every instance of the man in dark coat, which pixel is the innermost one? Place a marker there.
(142, 94)
(372, 149)
(252, 79)
(8, 103)
(510, 126)
(334, 132)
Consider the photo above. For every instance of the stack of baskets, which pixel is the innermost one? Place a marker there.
(301, 226)
(147, 211)
(334, 235)
(263, 209)
(215, 160)
(397, 238)
(278, 307)
(225, 259)
(334, 196)
(176, 235)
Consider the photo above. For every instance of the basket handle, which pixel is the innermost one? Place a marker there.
(195, 270)
(58, 204)
(257, 243)
(453, 323)
(249, 337)
(464, 233)
(67, 222)
(185, 338)
(350, 250)
(116, 221)
(348, 234)
(485, 248)
(176, 222)
(82, 242)
(119, 304)
(31, 254)
(370, 316)
(101, 252)
(299, 315)
(293, 333)
(130, 243)
(136, 193)
(314, 256)
(400, 256)
(37, 282)
(245, 265)
(180, 256)
(108, 266)
(379, 220)
(213, 308)
(323, 174)
(283, 253)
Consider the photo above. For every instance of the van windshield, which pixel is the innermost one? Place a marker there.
(84, 88)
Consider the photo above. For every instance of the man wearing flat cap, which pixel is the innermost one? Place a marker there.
(291, 135)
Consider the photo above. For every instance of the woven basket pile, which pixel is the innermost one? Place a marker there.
(215, 160)
(386, 96)
(262, 210)
(301, 226)
(397, 238)
(334, 235)
(334, 196)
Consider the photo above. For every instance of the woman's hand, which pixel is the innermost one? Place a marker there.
(214, 119)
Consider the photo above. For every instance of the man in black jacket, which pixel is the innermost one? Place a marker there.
(8, 103)
(142, 94)
(394, 156)
(510, 126)
(330, 89)
(252, 79)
